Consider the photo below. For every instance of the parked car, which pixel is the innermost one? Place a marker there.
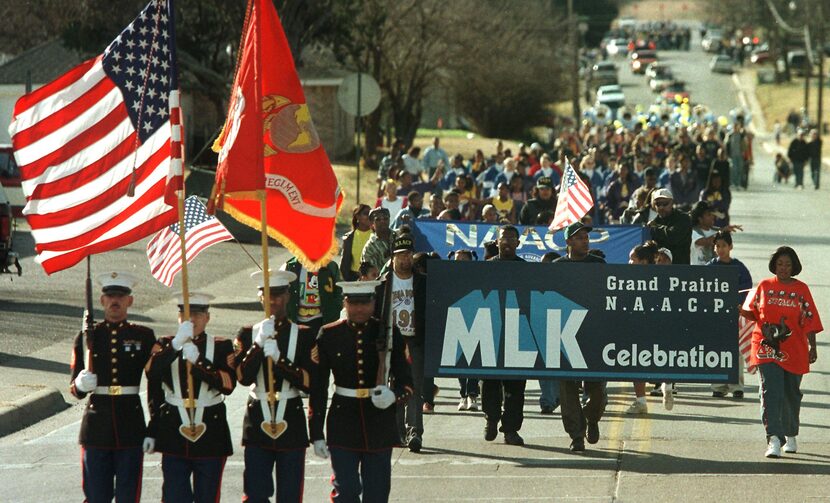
(8, 257)
(760, 54)
(614, 101)
(608, 89)
(658, 83)
(657, 68)
(10, 178)
(641, 59)
(722, 64)
(712, 41)
(675, 89)
(617, 47)
(604, 72)
(798, 62)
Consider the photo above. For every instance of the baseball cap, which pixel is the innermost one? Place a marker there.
(378, 212)
(544, 182)
(403, 243)
(576, 227)
(662, 194)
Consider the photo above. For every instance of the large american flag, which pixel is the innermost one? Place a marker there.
(85, 139)
(574, 199)
(201, 230)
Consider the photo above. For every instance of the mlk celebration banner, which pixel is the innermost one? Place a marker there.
(443, 236)
(609, 322)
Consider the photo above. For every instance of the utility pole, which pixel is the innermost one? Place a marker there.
(574, 32)
(821, 39)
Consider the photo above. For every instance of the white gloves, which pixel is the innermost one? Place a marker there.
(190, 352)
(86, 381)
(383, 397)
(270, 349)
(149, 445)
(264, 330)
(320, 449)
(184, 334)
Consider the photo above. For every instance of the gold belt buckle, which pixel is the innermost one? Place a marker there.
(115, 390)
(189, 403)
(362, 393)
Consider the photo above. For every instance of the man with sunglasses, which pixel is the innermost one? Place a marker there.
(671, 228)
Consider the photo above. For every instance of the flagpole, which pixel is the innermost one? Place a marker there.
(266, 296)
(190, 403)
(89, 323)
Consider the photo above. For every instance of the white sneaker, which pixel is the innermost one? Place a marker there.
(462, 404)
(668, 396)
(791, 446)
(773, 448)
(637, 407)
(472, 403)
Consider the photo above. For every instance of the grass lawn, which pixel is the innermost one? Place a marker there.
(778, 99)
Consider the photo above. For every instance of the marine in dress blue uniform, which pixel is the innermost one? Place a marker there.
(191, 432)
(361, 428)
(112, 428)
(289, 347)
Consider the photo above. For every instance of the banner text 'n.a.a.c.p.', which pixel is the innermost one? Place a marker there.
(609, 322)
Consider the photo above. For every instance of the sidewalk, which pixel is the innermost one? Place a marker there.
(746, 85)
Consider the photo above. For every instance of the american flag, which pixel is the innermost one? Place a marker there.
(201, 230)
(745, 328)
(84, 139)
(574, 199)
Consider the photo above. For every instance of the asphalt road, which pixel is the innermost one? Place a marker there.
(704, 450)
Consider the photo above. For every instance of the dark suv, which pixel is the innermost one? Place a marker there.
(8, 258)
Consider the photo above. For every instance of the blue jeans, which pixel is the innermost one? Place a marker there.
(357, 472)
(258, 477)
(780, 400)
(101, 466)
(550, 393)
(177, 472)
(469, 387)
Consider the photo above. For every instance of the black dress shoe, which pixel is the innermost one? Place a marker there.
(415, 443)
(547, 409)
(718, 394)
(593, 433)
(578, 444)
(513, 438)
(491, 431)
(738, 394)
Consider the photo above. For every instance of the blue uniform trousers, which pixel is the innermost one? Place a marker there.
(101, 466)
(258, 478)
(177, 472)
(356, 472)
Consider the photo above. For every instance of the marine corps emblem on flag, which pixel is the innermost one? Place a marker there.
(287, 126)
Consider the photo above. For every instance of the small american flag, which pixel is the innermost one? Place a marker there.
(574, 199)
(84, 139)
(745, 328)
(164, 251)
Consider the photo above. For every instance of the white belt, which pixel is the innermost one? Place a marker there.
(200, 402)
(291, 393)
(116, 390)
(353, 393)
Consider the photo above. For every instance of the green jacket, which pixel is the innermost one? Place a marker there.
(331, 295)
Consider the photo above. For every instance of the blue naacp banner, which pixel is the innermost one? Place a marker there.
(609, 322)
(443, 236)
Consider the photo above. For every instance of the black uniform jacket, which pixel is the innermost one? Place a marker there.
(297, 372)
(350, 352)
(165, 418)
(119, 353)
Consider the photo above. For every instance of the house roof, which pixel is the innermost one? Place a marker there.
(45, 62)
(321, 68)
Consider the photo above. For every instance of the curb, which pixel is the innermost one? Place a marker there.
(30, 409)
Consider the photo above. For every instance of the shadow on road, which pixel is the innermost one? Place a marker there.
(27, 362)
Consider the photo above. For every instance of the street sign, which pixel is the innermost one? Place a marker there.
(359, 94)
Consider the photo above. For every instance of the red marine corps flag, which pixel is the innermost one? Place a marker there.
(269, 148)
